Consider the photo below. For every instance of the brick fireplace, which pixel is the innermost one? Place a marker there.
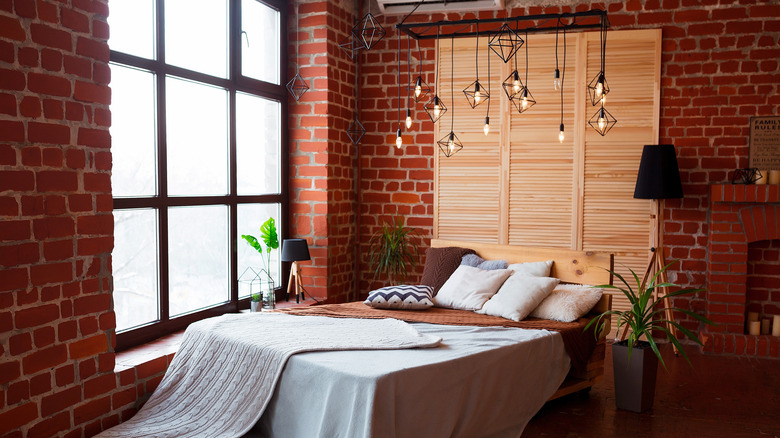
(739, 215)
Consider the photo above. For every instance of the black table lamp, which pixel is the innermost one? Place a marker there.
(658, 179)
(295, 250)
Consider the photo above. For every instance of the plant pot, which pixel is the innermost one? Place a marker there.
(255, 306)
(635, 378)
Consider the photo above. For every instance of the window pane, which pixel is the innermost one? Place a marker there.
(250, 218)
(196, 35)
(197, 138)
(134, 263)
(132, 132)
(132, 27)
(257, 145)
(260, 41)
(197, 257)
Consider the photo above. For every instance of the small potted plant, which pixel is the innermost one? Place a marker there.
(394, 250)
(635, 361)
(266, 292)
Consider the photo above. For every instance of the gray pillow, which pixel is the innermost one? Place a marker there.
(478, 262)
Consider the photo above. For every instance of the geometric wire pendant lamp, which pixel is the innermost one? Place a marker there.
(418, 87)
(475, 92)
(505, 43)
(368, 31)
(297, 86)
(523, 100)
(435, 108)
(450, 144)
(598, 87)
(356, 131)
(602, 121)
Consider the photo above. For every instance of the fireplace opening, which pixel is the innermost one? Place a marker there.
(763, 284)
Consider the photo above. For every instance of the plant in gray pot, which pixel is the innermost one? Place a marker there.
(394, 250)
(635, 361)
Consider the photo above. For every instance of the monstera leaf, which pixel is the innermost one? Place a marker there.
(253, 242)
(268, 234)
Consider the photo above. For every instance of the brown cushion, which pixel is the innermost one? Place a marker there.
(440, 263)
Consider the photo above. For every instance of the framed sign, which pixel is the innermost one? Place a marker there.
(765, 142)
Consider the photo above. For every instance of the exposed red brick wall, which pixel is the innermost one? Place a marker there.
(322, 158)
(719, 68)
(763, 281)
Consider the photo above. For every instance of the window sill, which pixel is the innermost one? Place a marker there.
(146, 354)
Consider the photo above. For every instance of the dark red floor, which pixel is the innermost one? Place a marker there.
(721, 396)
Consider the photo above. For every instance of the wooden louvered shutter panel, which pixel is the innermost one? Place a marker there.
(468, 183)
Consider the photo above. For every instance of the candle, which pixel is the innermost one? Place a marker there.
(764, 176)
(754, 327)
(776, 326)
(752, 316)
(765, 326)
(774, 177)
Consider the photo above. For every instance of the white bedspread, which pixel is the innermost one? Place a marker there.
(226, 369)
(481, 382)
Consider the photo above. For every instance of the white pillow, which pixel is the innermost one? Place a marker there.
(407, 297)
(568, 302)
(518, 296)
(535, 269)
(468, 288)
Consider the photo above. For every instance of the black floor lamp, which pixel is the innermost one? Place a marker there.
(295, 250)
(658, 179)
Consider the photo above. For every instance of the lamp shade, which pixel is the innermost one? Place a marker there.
(659, 176)
(295, 250)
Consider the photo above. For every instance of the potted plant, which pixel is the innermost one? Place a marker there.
(635, 361)
(394, 250)
(270, 238)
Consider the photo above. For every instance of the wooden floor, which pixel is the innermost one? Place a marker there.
(721, 396)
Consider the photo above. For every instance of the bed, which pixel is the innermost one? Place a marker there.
(485, 381)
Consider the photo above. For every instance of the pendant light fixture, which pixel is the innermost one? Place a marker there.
(598, 87)
(297, 86)
(475, 92)
(368, 31)
(505, 43)
(435, 108)
(418, 86)
(486, 127)
(602, 121)
(450, 144)
(512, 84)
(524, 100)
(351, 46)
(561, 135)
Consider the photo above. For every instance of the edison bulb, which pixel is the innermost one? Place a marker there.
(417, 91)
(602, 122)
(560, 134)
(451, 145)
(603, 99)
(398, 140)
(557, 80)
(516, 86)
(525, 102)
(486, 128)
(477, 96)
(408, 119)
(599, 88)
(436, 111)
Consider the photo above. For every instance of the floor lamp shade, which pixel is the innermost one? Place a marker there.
(295, 250)
(659, 176)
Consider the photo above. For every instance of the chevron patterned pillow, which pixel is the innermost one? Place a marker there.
(407, 297)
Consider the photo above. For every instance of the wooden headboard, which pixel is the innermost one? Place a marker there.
(583, 267)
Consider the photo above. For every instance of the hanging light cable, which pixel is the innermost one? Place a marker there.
(561, 135)
(526, 99)
(419, 87)
(475, 92)
(450, 144)
(408, 77)
(435, 108)
(512, 84)
(486, 128)
(557, 74)
(297, 86)
(598, 87)
(398, 140)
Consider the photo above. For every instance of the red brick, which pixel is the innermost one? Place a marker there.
(67, 330)
(75, 20)
(11, 131)
(9, 371)
(88, 347)
(53, 109)
(51, 37)
(57, 181)
(48, 133)
(96, 50)
(96, 138)
(36, 316)
(52, 426)
(51, 60)
(91, 410)
(48, 84)
(92, 304)
(11, 28)
(42, 359)
(12, 80)
(99, 385)
(40, 384)
(18, 416)
(60, 401)
(51, 273)
(30, 106)
(58, 250)
(123, 398)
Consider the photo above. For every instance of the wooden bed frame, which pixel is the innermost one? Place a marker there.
(570, 266)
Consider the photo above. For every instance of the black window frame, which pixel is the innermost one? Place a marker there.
(234, 83)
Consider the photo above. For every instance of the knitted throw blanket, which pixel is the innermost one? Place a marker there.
(225, 372)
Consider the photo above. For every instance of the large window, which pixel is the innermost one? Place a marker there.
(199, 150)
